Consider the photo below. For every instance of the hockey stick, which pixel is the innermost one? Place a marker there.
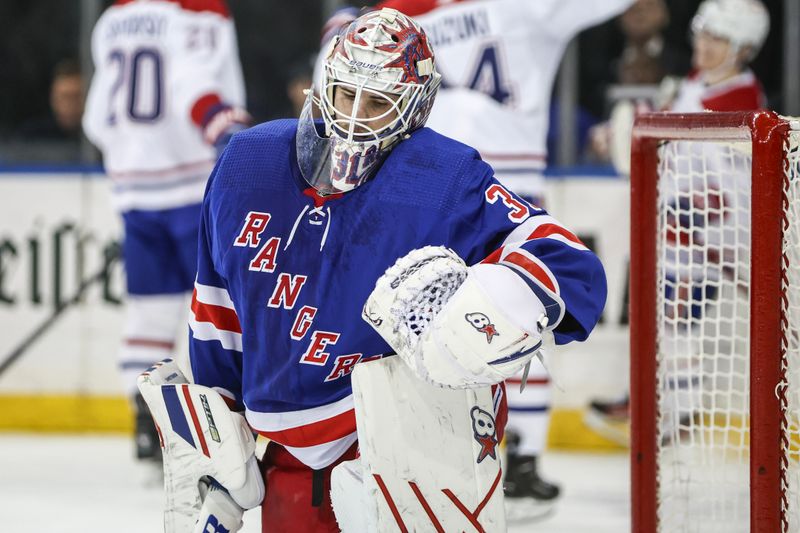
(34, 335)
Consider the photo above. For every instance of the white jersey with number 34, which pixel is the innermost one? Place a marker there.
(155, 62)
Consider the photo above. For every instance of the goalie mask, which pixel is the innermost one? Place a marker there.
(378, 85)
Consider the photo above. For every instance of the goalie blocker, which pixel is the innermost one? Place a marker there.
(206, 447)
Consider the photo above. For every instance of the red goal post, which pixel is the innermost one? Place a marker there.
(715, 233)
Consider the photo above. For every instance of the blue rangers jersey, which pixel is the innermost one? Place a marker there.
(283, 273)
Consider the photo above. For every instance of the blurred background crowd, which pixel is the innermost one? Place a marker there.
(47, 65)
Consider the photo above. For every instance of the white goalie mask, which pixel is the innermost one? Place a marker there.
(378, 85)
(744, 23)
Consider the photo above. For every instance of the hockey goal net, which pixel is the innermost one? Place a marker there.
(715, 323)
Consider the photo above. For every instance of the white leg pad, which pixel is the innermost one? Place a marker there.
(430, 455)
(349, 498)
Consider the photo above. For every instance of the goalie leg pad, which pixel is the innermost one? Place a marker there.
(349, 499)
(201, 438)
(430, 456)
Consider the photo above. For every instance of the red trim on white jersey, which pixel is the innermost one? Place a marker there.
(742, 92)
(181, 170)
(415, 8)
(220, 7)
(149, 343)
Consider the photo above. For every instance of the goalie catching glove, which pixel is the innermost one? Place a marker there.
(450, 323)
(210, 470)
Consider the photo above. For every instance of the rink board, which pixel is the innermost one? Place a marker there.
(56, 227)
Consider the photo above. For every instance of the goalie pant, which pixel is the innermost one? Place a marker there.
(297, 497)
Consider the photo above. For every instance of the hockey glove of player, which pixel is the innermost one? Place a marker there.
(218, 120)
(222, 126)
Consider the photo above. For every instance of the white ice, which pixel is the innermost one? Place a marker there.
(92, 484)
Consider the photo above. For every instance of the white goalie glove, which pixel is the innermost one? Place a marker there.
(443, 320)
(203, 442)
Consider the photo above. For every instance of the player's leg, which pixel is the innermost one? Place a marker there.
(158, 289)
(526, 435)
(183, 224)
(297, 497)
(610, 418)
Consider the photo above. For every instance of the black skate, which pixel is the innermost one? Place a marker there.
(523, 480)
(528, 496)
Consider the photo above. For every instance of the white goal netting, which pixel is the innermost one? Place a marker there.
(703, 355)
(790, 389)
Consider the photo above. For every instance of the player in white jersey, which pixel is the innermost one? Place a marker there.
(167, 94)
(727, 35)
(498, 60)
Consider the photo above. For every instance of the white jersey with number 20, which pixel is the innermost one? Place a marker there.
(156, 63)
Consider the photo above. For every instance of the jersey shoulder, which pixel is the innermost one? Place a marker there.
(431, 170)
(261, 157)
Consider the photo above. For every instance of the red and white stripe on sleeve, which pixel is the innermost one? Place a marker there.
(522, 252)
(543, 227)
(214, 318)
